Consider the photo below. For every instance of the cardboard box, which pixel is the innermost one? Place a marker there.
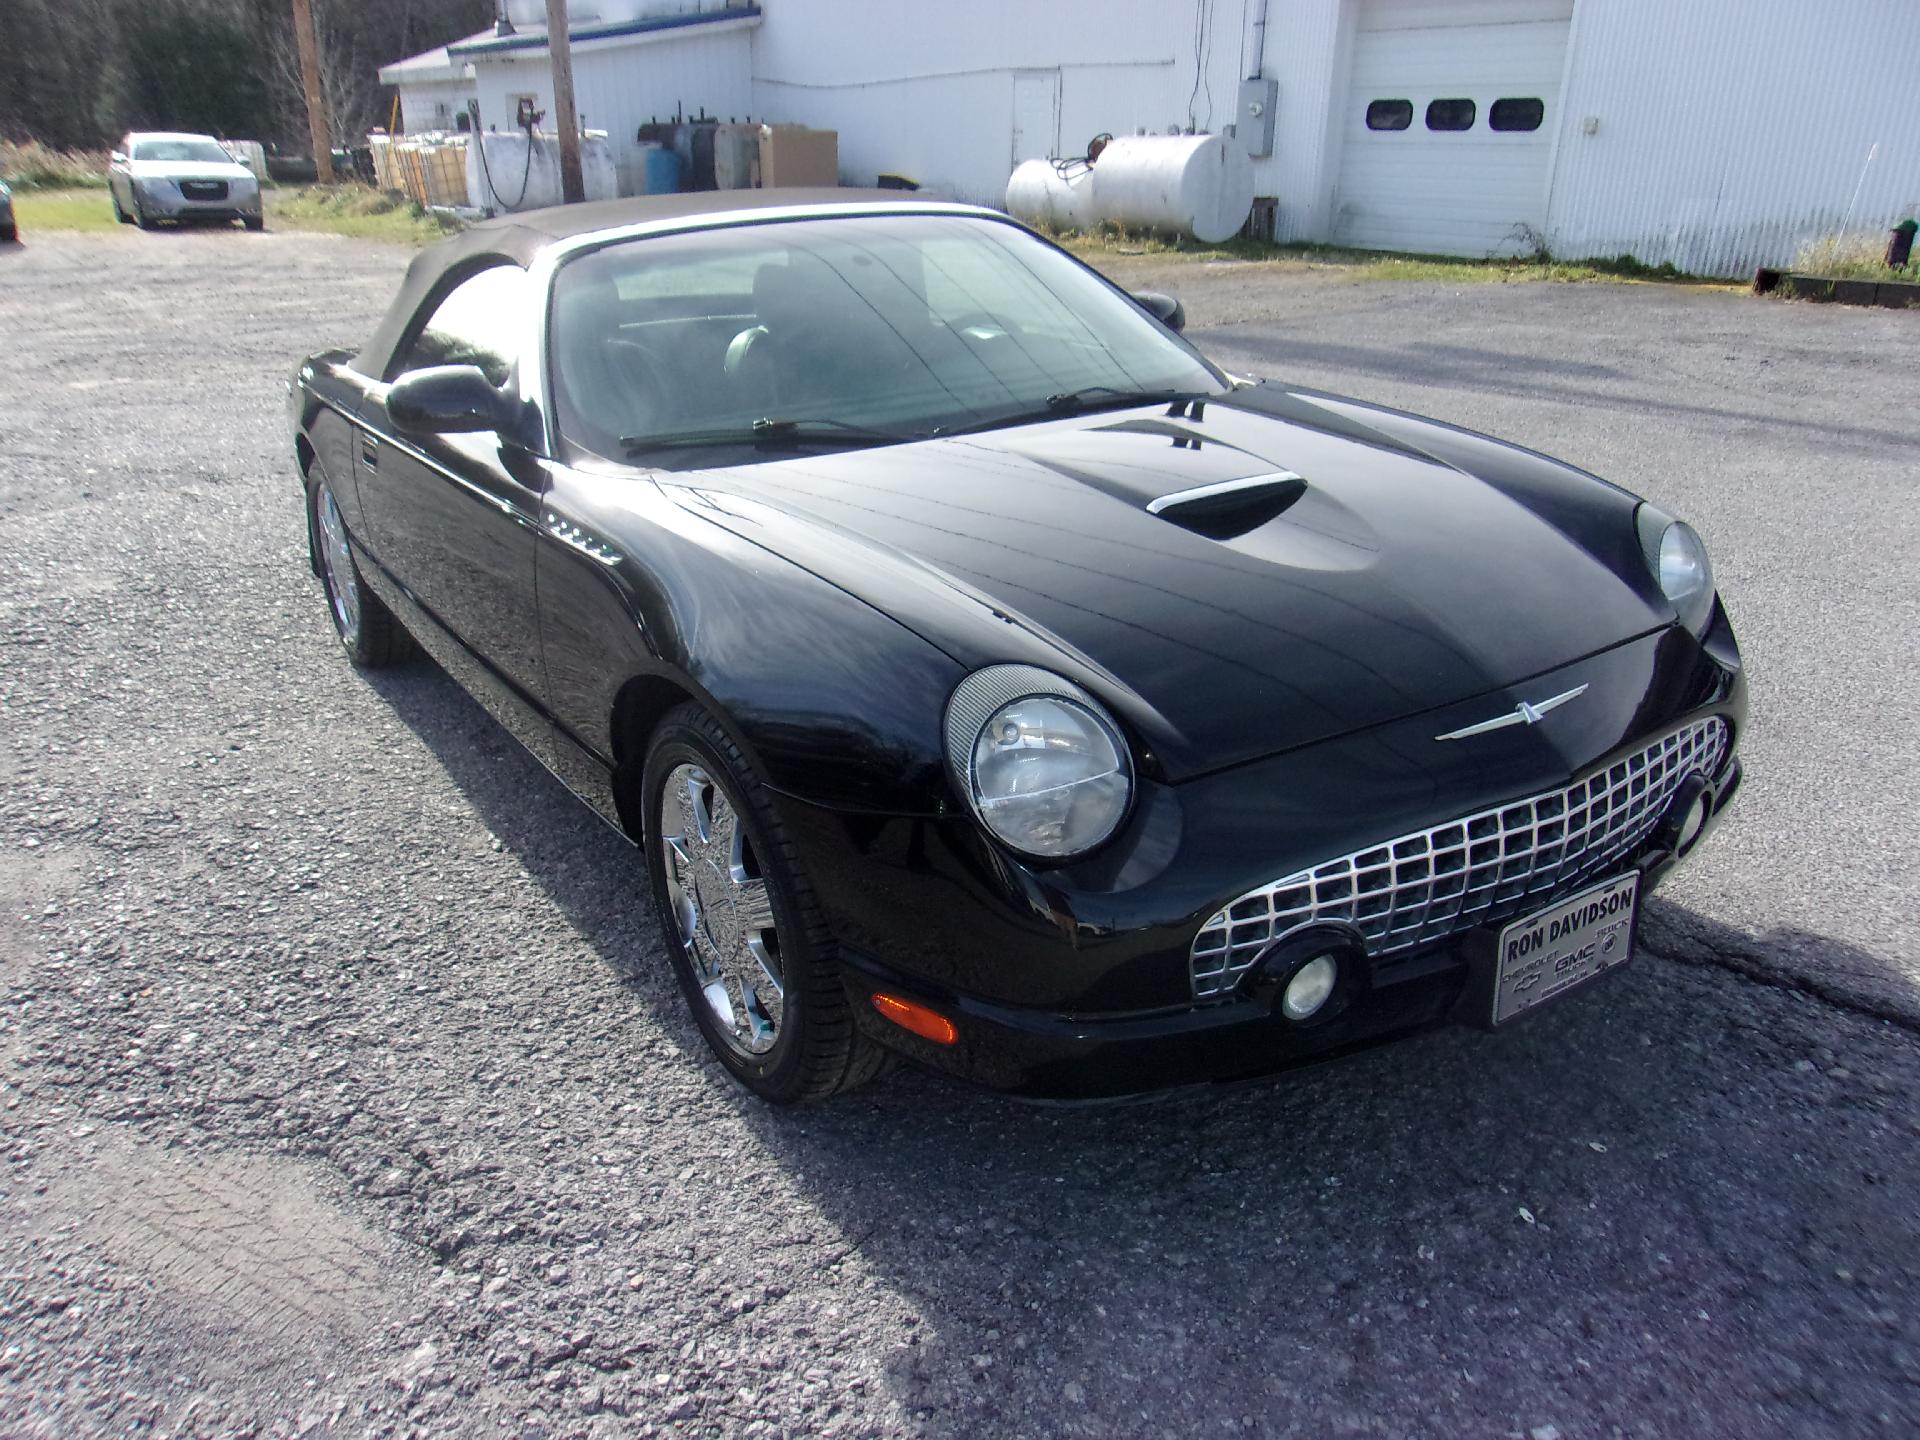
(792, 155)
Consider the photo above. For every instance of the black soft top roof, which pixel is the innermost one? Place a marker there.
(522, 237)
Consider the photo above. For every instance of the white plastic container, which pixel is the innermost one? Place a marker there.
(507, 178)
(1197, 185)
(249, 153)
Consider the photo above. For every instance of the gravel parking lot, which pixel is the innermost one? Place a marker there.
(346, 1090)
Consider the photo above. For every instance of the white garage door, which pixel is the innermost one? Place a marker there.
(1449, 124)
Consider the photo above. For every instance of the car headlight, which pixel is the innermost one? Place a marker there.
(1041, 763)
(1678, 559)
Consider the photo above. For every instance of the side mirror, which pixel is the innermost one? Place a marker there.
(116, 158)
(447, 400)
(1164, 308)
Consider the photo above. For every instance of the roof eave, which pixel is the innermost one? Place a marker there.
(533, 44)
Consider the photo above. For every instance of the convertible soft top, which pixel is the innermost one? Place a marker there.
(523, 236)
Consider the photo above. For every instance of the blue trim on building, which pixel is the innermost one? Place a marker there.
(494, 45)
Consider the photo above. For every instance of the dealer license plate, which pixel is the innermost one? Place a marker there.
(1562, 947)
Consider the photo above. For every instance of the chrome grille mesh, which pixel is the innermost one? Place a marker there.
(1418, 888)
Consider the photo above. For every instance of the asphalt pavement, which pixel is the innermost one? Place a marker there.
(344, 1089)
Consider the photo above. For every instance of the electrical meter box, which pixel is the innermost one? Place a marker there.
(1254, 124)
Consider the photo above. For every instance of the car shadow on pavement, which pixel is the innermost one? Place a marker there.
(1515, 374)
(1678, 1204)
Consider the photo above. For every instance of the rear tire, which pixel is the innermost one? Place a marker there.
(255, 225)
(368, 632)
(745, 932)
(9, 234)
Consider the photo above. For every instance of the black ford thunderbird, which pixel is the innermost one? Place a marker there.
(991, 680)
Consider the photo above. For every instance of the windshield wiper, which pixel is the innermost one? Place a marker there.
(769, 435)
(1088, 397)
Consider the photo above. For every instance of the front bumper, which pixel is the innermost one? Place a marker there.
(1065, 1057)
(1078, 982)
(166, 202)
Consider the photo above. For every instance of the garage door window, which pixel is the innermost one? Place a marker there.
(1389, 114)
(1513, 114)
(1450, 114)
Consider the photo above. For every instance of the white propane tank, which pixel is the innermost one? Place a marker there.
(523, 182)
(1043, 194)
(1198, 185)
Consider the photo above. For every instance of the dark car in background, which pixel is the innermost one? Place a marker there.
(154, 176)
(990, 679)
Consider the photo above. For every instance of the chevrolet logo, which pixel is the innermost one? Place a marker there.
(1525, 713)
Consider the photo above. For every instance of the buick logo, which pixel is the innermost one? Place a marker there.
(1525, 713)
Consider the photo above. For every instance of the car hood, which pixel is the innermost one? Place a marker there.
(1408, 567)
(187, 170)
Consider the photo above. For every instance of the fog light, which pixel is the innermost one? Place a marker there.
(1310, 988)
(1691, 824)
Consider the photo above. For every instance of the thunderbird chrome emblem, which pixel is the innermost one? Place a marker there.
(1525, 713)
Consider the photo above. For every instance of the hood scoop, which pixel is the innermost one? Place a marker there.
(1229, 509)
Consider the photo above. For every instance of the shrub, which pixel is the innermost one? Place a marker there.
(1859, 256)
(29, 165)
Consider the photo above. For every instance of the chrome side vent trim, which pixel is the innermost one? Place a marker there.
(575, 538)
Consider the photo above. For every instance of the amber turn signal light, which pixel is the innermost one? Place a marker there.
(929, 1024)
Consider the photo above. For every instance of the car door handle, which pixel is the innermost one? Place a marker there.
(370, 451)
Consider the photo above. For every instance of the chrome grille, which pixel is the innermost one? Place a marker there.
(1419, 888)
(204, 189)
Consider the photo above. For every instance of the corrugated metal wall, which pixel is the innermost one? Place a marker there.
(1728, 132)
(421, 103)
(929, 90)
(1307, 45)
(621, 84)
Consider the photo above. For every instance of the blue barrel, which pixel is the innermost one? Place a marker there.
(662, 172)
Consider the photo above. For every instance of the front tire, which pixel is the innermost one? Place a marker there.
(748, 941)
(368, 632)
(119, 213)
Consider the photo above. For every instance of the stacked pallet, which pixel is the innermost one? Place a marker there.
(430, 169)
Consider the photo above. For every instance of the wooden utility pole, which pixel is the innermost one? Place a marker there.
(322, 132)
(566, 120)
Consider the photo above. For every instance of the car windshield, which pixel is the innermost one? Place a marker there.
(842, 331)
(187, 152)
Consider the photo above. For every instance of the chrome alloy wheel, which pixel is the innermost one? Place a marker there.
(722, 909)
(336, 558)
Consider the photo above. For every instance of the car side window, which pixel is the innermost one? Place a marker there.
(478, 322)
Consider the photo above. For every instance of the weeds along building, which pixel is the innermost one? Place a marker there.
(1714, 135)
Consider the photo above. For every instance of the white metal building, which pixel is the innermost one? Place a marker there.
(434, 90)
(1713, 134)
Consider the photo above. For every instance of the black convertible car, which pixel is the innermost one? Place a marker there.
(989, 678)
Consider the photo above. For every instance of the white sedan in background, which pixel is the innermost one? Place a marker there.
(155, 176)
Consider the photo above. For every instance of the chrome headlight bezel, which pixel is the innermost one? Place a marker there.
(1677, 558)
(984, 697)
